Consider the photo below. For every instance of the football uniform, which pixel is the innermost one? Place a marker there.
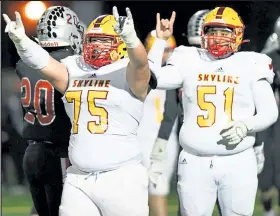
(150, 122)
(158, 121)
(106, 174)
(46, 129)
(214, 93)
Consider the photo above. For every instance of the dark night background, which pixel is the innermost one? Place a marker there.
(258, 16)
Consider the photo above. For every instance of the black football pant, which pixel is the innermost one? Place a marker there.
(42, 167)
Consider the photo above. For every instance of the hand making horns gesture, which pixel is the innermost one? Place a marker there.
(164, 27)
(15, 29)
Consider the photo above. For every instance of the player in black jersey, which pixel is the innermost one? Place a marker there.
(270, 176)
(46, 124)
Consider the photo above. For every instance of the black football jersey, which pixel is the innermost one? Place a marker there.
(45, 118)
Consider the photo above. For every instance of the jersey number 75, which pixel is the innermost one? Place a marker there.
(94, 127)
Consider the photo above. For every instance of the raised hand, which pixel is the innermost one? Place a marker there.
(125, 28)
(164, 27)
(15, 29)
(124, 23)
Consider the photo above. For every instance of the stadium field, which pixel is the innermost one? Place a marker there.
(20, 205)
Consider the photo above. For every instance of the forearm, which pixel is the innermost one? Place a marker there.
(168, 77)
(32, 54)
(138, 56)
(156, 53)
(138, 68)
(37, 58)
(267, 110)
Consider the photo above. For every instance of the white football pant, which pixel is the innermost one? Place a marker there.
(121, 192)
(232, 178)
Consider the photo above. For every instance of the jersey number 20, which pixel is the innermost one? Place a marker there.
(45, 115)
(210, 107)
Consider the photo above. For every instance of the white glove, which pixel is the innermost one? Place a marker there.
(260, 157)
(234, 132)
(15, 29)
(125, 28)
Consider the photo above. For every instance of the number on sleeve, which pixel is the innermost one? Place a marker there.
(43, 103)
(208, 106)
(99, 126)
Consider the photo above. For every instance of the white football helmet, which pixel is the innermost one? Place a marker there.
(59, 26)
(195, 27)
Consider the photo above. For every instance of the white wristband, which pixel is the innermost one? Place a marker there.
(32, 54)
(131, 41)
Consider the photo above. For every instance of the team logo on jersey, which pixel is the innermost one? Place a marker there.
(92, 76)
(220, 69)
(184, 161)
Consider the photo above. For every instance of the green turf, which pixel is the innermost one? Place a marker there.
(21, 205)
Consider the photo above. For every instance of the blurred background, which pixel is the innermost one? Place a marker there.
(258, 16)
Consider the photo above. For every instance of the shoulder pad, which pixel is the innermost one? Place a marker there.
(262, 66)
(182, 55)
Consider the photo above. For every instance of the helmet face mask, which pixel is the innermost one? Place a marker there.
(219, 40)
(100, 49)
(228, 34)
(102, 45)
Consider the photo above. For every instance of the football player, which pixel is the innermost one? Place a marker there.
(194, 39)
(156, 126)
(270, 138)
(222, 87)
(104, 89)
(46, 124)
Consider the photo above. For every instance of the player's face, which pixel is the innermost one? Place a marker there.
(97, 49)
(100, 42)
(219, 39)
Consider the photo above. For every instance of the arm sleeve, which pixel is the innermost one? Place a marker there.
(266, 107)
(169, 115)
(32, 54)
(168, 77)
